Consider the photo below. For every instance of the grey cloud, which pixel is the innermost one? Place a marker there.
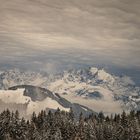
(70, 31)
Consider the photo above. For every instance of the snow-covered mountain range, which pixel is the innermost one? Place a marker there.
(91, 87)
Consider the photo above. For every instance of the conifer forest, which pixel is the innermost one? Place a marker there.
(61, 125)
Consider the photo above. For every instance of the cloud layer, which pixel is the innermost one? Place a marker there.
(37, 33)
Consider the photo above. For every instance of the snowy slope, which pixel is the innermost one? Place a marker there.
(18, 97)
(91, 87)
(32, 98)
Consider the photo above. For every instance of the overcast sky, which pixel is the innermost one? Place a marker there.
(51, 34)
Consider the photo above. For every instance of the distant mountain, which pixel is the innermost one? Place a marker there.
(99, 89)
(91, 87)
(15, 77)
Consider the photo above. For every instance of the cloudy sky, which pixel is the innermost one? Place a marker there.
(56, 34)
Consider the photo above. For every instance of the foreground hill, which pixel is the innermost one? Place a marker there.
(28, 98)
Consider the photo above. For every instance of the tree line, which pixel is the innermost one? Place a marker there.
(61, 125)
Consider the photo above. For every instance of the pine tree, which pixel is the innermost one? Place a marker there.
(101, 117)
(71, 114)
(124, 120)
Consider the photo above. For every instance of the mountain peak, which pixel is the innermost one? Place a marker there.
(104, 76)
(93, 70)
